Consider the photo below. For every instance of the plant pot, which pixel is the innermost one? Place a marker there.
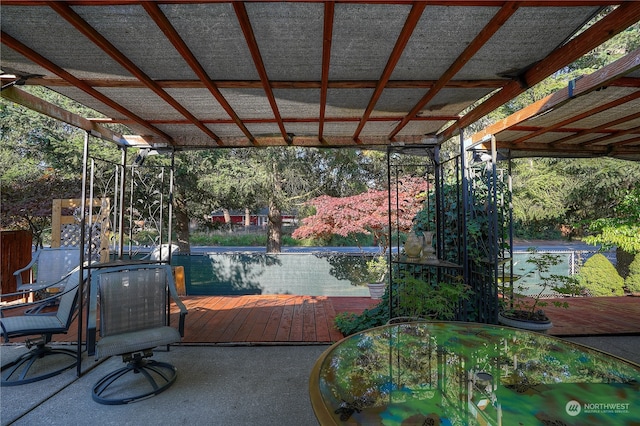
(531, 325)
(376, 290)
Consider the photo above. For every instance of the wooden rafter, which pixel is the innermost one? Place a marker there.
(606, 127)
(396, 53)
(46, 108)
(45, 63)
(247, 30)
(614, 135)
(351, 119)
(618, 20)
(81, 25)
(163, 23)
(443, 118)
(579, 87)
(276, 84)
(472, 48)
(327, 38)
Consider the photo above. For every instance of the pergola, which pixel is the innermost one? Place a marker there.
(189, 74)
(209, 74)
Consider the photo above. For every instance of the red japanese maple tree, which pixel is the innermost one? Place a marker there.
(366, 213)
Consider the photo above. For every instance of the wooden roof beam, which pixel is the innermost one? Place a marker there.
(405, 34)
(617, 134)
(604, 128)
(245, 24)
(277, 84)
(472, 48)
(443, 118)
(589, 83)
(46, 108)
(81, 25)
(618, 20)
(74, 81)
(581, 86)
(167, 28)
(327, 39)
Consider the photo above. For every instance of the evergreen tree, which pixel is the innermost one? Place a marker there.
(632, 283)
(599, 277)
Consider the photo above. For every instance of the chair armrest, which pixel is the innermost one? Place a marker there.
(36, 303)
(18, 273)
(22, 288)
(183, 309)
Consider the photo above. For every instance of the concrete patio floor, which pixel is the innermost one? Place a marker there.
(216, 385)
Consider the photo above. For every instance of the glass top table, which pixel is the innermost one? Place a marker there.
(452, 373)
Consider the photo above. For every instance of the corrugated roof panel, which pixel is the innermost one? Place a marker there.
(290, 39)
(212, 33)
(363, 38)
(248, 103)
(302, 103)
(42, 30)
(200, 103)
(130, 29)
(143, 102)
(441, 35)
(530, 34)
(347, 102)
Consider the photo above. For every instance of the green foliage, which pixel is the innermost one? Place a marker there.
(621, 230)
(249, 239)
(632, 283)
(349, 323)
(417, 298)
(40, 160)
(600, 278)
(539, 194)
(425, 219)
(377, 268)
(414, 298)
(529, 307)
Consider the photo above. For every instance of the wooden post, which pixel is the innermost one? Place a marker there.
(56, 225)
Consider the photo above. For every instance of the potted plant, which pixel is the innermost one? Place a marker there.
(527, 311)
(376, 271)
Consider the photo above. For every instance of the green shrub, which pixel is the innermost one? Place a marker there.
(600, 278)
(349, 323)
(633, 279)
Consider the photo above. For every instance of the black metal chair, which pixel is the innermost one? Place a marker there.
(134, 319)
(43, 361)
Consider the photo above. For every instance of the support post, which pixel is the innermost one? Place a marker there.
(83, 223)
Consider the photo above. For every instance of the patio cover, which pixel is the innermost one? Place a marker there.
(208, 74)
(595, 115)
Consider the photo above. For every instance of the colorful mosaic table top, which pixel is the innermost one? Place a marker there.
(450, 373)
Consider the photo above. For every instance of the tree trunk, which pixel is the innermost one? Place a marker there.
(227, 219)
(247, 218)
(181, 223)
(274, 229)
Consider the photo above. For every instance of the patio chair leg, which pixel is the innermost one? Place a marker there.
(17, 372)
(158, 375)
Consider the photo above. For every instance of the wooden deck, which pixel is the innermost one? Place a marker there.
(290, 319)
(260, 319)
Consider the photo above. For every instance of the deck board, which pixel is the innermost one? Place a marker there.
(291, 319)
